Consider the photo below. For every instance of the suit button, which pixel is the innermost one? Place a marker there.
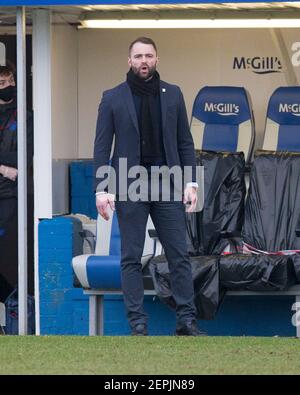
(144, 142)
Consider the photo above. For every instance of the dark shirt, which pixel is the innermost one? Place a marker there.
(9, 148)
(149, 158)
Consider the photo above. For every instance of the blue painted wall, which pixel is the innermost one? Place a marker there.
(238, 316)
(63, 308)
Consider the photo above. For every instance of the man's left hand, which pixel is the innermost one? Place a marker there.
(190, 197)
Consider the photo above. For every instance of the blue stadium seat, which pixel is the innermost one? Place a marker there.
(222, 120)
(102, 269)
(282, 129)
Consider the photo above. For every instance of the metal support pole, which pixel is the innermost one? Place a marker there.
(42, 120)
(96, 315)
(22, 170)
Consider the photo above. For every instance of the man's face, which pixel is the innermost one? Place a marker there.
(143, 60)
(7, 80)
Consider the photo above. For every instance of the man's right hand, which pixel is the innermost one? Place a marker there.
(103, 201)
(9, 172)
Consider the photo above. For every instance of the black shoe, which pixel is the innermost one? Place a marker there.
(139, 330)
(190, 329)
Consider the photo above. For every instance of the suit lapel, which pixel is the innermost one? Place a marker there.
(163, 103)
(130, 105)
(131, 108)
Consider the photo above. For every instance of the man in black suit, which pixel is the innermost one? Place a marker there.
(147, 118)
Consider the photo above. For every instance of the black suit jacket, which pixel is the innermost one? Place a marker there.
(117, 118)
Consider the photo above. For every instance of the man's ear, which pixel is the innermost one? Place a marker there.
(129, 62)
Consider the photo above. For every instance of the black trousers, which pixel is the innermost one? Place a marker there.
(9, 246)
(8, 209)
(169, 222)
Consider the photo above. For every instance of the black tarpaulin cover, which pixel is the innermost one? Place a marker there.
(272, 214)
(224, 194)
(159, 270)
(296, 262)
(192, 233)
(214, 275)
(206, 283)
(273, 203)
(207, 287)
(256, 272)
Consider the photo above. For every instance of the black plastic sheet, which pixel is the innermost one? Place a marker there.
(192, 234)
(206, 284)
(224, 194)
(208, 290)
(273, 203)
(296, 264)
(256, 272)
(159, 270)
(214, 275)
(271, 217)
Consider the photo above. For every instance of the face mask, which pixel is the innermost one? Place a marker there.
(8, 93)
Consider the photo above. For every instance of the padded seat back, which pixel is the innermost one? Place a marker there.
(222, 120)
(108, 236)
(102, 270)
(282, 129)
(108, 240)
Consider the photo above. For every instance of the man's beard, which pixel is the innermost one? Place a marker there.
(137, 72)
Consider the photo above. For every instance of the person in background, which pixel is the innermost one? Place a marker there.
(9, 186)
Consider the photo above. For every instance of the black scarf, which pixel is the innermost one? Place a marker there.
(141, 87)
(149, 117)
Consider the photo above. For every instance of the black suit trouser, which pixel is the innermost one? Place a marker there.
(169, 221)
(9, 246)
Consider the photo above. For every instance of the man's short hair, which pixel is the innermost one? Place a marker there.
(7, 70)
(143, 40)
